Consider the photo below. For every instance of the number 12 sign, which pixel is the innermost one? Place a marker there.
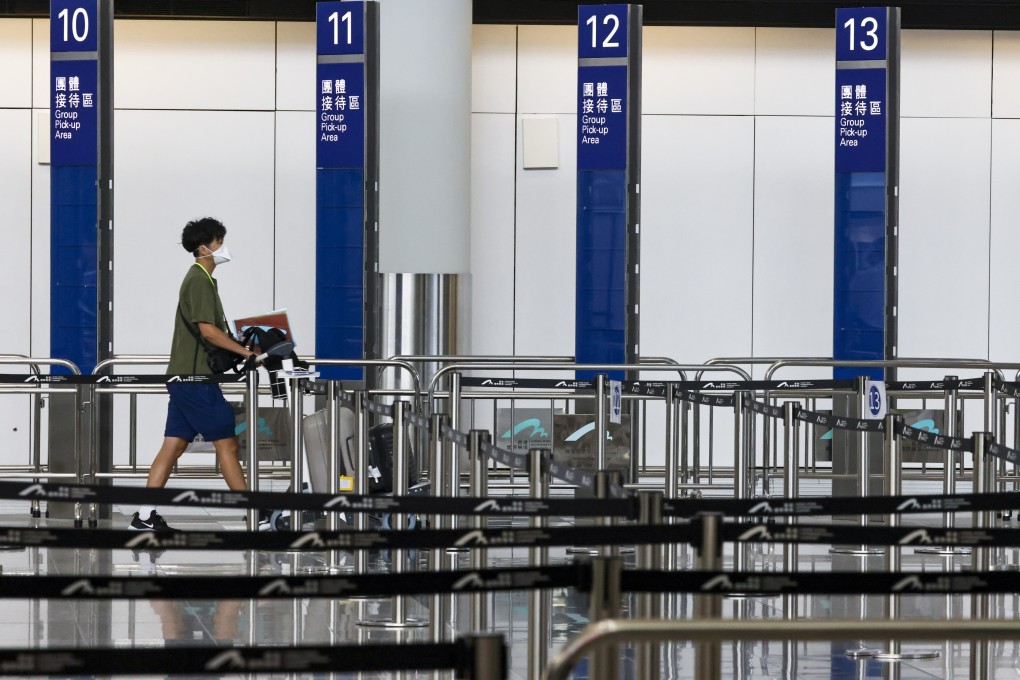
(861, 34)
(602, 31)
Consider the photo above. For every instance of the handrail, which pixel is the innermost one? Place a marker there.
(754, 361)
(15, 360)
(680, 368)
(33, 367)
(615, 631)
(892, 363)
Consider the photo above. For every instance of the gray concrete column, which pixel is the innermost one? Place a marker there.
(425, 136)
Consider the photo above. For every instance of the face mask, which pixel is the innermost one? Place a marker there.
(220, 256)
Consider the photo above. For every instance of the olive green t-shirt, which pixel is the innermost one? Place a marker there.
(199, 301)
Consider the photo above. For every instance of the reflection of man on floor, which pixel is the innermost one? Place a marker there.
(213, 620)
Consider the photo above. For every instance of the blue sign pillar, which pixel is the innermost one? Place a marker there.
(606, 329)
(81, 179)
(867, 179)
(347, 182)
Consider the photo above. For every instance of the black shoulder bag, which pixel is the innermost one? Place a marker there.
(220, 360)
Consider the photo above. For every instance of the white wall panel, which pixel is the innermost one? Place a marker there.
(946, 74)
(294, 235)
(40, 63)
(696, 236)
(493, 69)
(492, 233)
(1006, 74)
(794, 71)
(16, 61)
(793, 238)
(547, 69)
(16, 199)
(694, 69)
(295, 66)
(1004, 246)
(944, 237)
(217, 164)
(15, 271)
(546, 243)
(195, 64)
(40, 252)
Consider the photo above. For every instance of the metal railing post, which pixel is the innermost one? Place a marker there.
(360, 472)
(251, 410)
(791, 489)
(741, 474)
(333, 471)
(649, 557)
(479, 556)
(604, 481)
(980, 557)
(489, 657)
(437, 466)
(605, 604)
(671, 462)
(454, 467)
(990, 401)
(538, 600)
(601, 391)
(952, 457)
(708, 655)
(297, 467)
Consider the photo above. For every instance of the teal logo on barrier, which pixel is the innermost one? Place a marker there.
(536, 429)
(263, 428)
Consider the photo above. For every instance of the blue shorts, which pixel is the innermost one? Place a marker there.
(198, 409)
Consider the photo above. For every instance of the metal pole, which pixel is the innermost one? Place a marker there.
(251, 410)
(990, 399)
(979, 611)
(133, 431)
(398, 520)
(297, 468)
(437, 466)
(708, 655)
(672, 468)
(600, 420)
(740, 472)
(489, 660)
(37, 405)
(480, 556)
(604, 481)
(949, 422)
(332, 472)
(791, 489)
(453, 487)
(605, 604)
(360, 473)
(649, 557)
(538, 600)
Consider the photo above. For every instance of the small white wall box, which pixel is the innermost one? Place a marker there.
(541, 140)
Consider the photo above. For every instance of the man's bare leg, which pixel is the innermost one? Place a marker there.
(226, 454)
(172, 449)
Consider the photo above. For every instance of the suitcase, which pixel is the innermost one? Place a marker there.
(380, 453)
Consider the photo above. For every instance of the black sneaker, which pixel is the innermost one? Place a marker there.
(154, 523)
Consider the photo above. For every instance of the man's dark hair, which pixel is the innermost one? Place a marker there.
(201, 233)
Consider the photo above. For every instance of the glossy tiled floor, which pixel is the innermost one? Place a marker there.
(52, 623)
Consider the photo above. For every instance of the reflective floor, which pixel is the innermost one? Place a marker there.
(142, 623)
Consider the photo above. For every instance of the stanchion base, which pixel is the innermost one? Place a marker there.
(77, 524)
(890, 657)
(948, 552)
(391, 624)
(861, 551)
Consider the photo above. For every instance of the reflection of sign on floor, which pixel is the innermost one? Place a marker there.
(575, 442)
(523, 429)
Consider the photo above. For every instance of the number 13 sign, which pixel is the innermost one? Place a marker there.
(861, 34)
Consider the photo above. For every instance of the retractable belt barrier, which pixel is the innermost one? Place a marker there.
(817, 583)
(191, 659)
(655, 534)
(577, 576)
(548, 507)
(235, 587)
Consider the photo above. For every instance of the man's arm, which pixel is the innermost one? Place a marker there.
(217, 337)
